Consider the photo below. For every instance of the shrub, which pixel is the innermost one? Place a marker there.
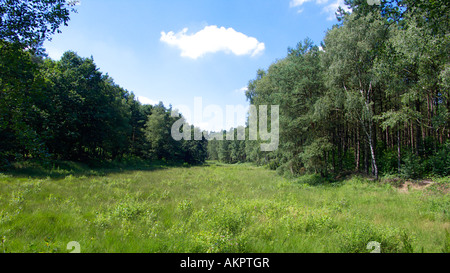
(391, 240)
(312, 180)
(440, 162)
(388, 163)
(102, 221)
(216, 242)
(229, 219)
(412, 167)
(129, 209)
(273, 165)
(319, 221)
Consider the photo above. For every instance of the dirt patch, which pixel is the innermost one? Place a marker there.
(414, 185)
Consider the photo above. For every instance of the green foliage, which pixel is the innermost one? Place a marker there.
(391, 240)
(312, 180)
(74, 112)
(412, 166)
(157, 132)
(185, 207)
(440, 162)
(314, 156)
(68, 109)
(21, 86)
(375, 98)
(129, 209)
(446, 248)
(102, 126)
(388, 161)
(31, 23)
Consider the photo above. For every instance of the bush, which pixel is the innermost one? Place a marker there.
(391, 240)
(273, 165)
(388, 163)
(412, 167)
(216, 242)
(440, 162)
(312, 180)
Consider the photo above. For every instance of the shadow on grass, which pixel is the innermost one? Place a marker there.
(62, 169)
(316, 180)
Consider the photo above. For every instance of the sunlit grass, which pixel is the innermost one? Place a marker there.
(217, 208)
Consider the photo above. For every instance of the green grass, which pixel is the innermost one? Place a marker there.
(216, 208)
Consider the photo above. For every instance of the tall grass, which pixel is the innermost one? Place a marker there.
(216, 208)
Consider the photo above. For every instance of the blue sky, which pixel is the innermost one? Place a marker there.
(176, 50)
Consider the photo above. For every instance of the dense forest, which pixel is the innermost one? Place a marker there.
(372, 98)
(68, 109)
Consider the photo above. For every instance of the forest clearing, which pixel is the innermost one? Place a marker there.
(219, 208)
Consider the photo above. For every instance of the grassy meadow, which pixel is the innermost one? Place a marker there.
(217, 208)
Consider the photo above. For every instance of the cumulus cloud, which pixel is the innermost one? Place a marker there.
(213, 39)
(297, 3)
(147, 101)
(329, 7)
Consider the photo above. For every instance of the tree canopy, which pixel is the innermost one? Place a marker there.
(68, 109)
(374, 98)
(30, 22)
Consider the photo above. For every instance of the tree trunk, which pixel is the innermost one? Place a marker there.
(366, 158)
(372, 153)
(358, 151)
(399, 152)
(368, 128)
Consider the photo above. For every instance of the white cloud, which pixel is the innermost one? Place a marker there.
(54, 53)
(297, 3)
(145, 100)
(213, 39)
(330, 8)
(241, 90)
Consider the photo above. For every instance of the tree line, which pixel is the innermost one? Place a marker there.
(68, 109)
(373, 97)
